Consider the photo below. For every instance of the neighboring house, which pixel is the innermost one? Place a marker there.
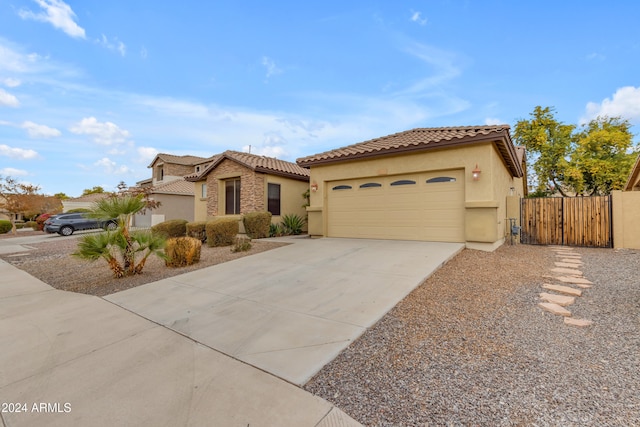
(458, 184)
(167, 167)
(633, 183)
(234, 183)
(176, 202)
(83, 202)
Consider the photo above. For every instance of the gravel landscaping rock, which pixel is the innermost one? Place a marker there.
(471, 347)
(52, 263)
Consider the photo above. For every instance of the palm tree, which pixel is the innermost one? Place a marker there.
(120, 247)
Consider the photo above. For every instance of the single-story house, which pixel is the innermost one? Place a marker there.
(633, 183)
(235, 183)
(458, 184)
(176, 202)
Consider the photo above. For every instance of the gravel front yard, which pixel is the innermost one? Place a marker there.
(52, 263)
(471, 347)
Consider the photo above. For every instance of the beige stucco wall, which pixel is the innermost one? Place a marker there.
(291, 200)
(626, 211)
(172, 206)
(485, 199)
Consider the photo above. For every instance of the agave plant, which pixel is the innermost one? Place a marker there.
(292, 224)
(126, 252)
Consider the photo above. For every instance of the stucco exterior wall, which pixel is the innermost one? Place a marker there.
(172, 206)
(626, 227)
(200, 203)
(485, 199)
(291, 200)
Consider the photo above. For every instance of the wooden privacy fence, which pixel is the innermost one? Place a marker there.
(571, 221)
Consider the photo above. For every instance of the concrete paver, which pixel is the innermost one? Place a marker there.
(554, 309)
(561, 300)
(567, 290)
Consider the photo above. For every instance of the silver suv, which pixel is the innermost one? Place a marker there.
(66, 224)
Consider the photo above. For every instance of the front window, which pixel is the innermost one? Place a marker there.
(232, 196)
(273, 199)
(203, 191)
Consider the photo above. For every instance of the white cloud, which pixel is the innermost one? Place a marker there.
(58, 14)
(417, 18)
(625, 103)
(147, 154)
(271, 67)
(17, 153)
(106, 133)
(13, 172)
(492, 121)
(10, 82)
(111, 167)
(116, 45)
(8, 100)
(40, 131)
(273, 145)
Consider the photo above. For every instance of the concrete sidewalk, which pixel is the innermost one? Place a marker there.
(291, 310)
(75, 360)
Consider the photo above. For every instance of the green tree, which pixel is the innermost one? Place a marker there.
(549, 142)
(95, 190)
(125, 251)
(61, 196)
(603, 156)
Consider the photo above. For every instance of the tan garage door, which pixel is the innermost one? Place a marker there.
(422, 206)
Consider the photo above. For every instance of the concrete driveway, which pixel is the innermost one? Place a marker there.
(291, 310)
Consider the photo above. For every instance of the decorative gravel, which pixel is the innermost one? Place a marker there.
(470, 346)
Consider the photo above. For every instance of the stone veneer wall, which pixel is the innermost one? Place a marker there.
(251, 188)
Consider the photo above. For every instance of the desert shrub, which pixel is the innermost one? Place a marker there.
(41, 219)
(292, 224)
(5, 226)
(222, 232)
(78, 210)
(275, 230)
(197, 230)
(182, 251)
(256, 224)
(171, 228)
(241, 244)
(31, 224)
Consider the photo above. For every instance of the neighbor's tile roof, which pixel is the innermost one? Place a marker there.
(179, 160)
(258, 163)
(421, 139)
(177, 186)
(90, 198)
(634, 176)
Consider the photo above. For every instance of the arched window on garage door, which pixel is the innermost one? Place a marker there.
(441, 179)
(403, 182)
(342, 187)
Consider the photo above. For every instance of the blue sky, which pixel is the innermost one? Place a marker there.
(90, 91)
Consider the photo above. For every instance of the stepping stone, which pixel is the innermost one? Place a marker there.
(575, 261)
(567, 290)
(569, 255)
(583, 286)
(574, 280)
(561, 300)
(554, 308)
(567, 264)
(567, 271)
(581, 323)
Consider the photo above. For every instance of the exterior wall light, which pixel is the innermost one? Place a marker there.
(314, 187)
(476, 173)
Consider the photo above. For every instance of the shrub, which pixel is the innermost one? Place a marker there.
(292, 224)
(256, 224)
(32, 224)
(182, 251)
(241, 244)
(275, 230)
(222, 232)
(197, 230)
(41, 219)
(171, 228)
(78, 210)
(5, 226)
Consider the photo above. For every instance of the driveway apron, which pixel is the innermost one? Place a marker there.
(290, 310)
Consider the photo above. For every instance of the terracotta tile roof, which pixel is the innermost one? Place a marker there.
(261, 164)
(90, 198)
(177, 186)
(179, 160)
(634, 177)
(422, 139)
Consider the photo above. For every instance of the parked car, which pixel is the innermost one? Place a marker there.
(67, 224)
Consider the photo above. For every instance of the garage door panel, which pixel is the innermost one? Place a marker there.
(420, 211)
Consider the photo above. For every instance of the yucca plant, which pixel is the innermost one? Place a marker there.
(120, 247)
